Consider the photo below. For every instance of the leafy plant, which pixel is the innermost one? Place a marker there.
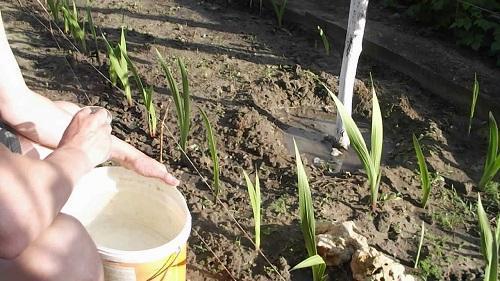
(371, 160)
(492, 163)
(475, 94)
(212, 147)
(182, 101)
(254, 194)
(307, 221)
(279, 10)
(90, 22)
(147, 96)
(326, 44)
(490, 242)
(72, 24)
(420, 243)
(473, 23)
(424, 172)
(118, 65)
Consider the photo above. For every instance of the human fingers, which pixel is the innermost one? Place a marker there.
(170, 179)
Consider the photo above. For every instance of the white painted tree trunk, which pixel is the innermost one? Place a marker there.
(352, 50)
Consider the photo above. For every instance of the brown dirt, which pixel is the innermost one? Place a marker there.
(254, 79)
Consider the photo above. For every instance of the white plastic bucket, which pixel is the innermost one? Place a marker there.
(140, 225)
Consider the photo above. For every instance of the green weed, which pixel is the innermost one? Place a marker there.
(430, 270)
(255, 201)
(307, 222)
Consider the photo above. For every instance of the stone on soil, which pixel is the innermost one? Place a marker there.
(339, 243)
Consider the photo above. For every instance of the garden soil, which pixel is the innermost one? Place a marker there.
(260, 86)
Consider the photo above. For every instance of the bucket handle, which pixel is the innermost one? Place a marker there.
(165, 267)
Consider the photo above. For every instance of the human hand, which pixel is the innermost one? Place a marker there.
(132, 159)
(90, 133)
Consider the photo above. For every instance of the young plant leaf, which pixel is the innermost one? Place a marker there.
(420, 243)
(147, 92)
(371, 161)
(118, 65)
(182, 102)
(90, 22)
(55, 8)
(255, 201)
(306, 211)
(326, 43)
(424, 173)
(186, 102)
(309, 262)
(475, 94)
(279, 10)
(489, 243)
(377, 134)
(212, 147)
(492, 163)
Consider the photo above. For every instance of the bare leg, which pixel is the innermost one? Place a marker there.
(63, 252)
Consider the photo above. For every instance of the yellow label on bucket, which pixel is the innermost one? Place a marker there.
(171, 268)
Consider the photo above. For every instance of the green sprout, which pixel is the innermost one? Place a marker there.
(55, 7)
(371, 160)
(182, 101)
(326, 44)
(424, 172)
(307, 222)
(420, 243)
(90, 22)
(490, 242)
(475, 94)
(147, 96)
(118, 65)
(279, 10)
(492, 163)
(212, 147)
(255, 201)
(71, 24)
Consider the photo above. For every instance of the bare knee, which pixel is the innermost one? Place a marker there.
(64, 252)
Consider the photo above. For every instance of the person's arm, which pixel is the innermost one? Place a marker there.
(40, 120)
(32, 191)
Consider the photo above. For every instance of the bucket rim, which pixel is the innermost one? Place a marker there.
(153, 254)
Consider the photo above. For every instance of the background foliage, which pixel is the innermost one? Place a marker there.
(474, 23)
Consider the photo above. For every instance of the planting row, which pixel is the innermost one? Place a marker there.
(121, 68)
